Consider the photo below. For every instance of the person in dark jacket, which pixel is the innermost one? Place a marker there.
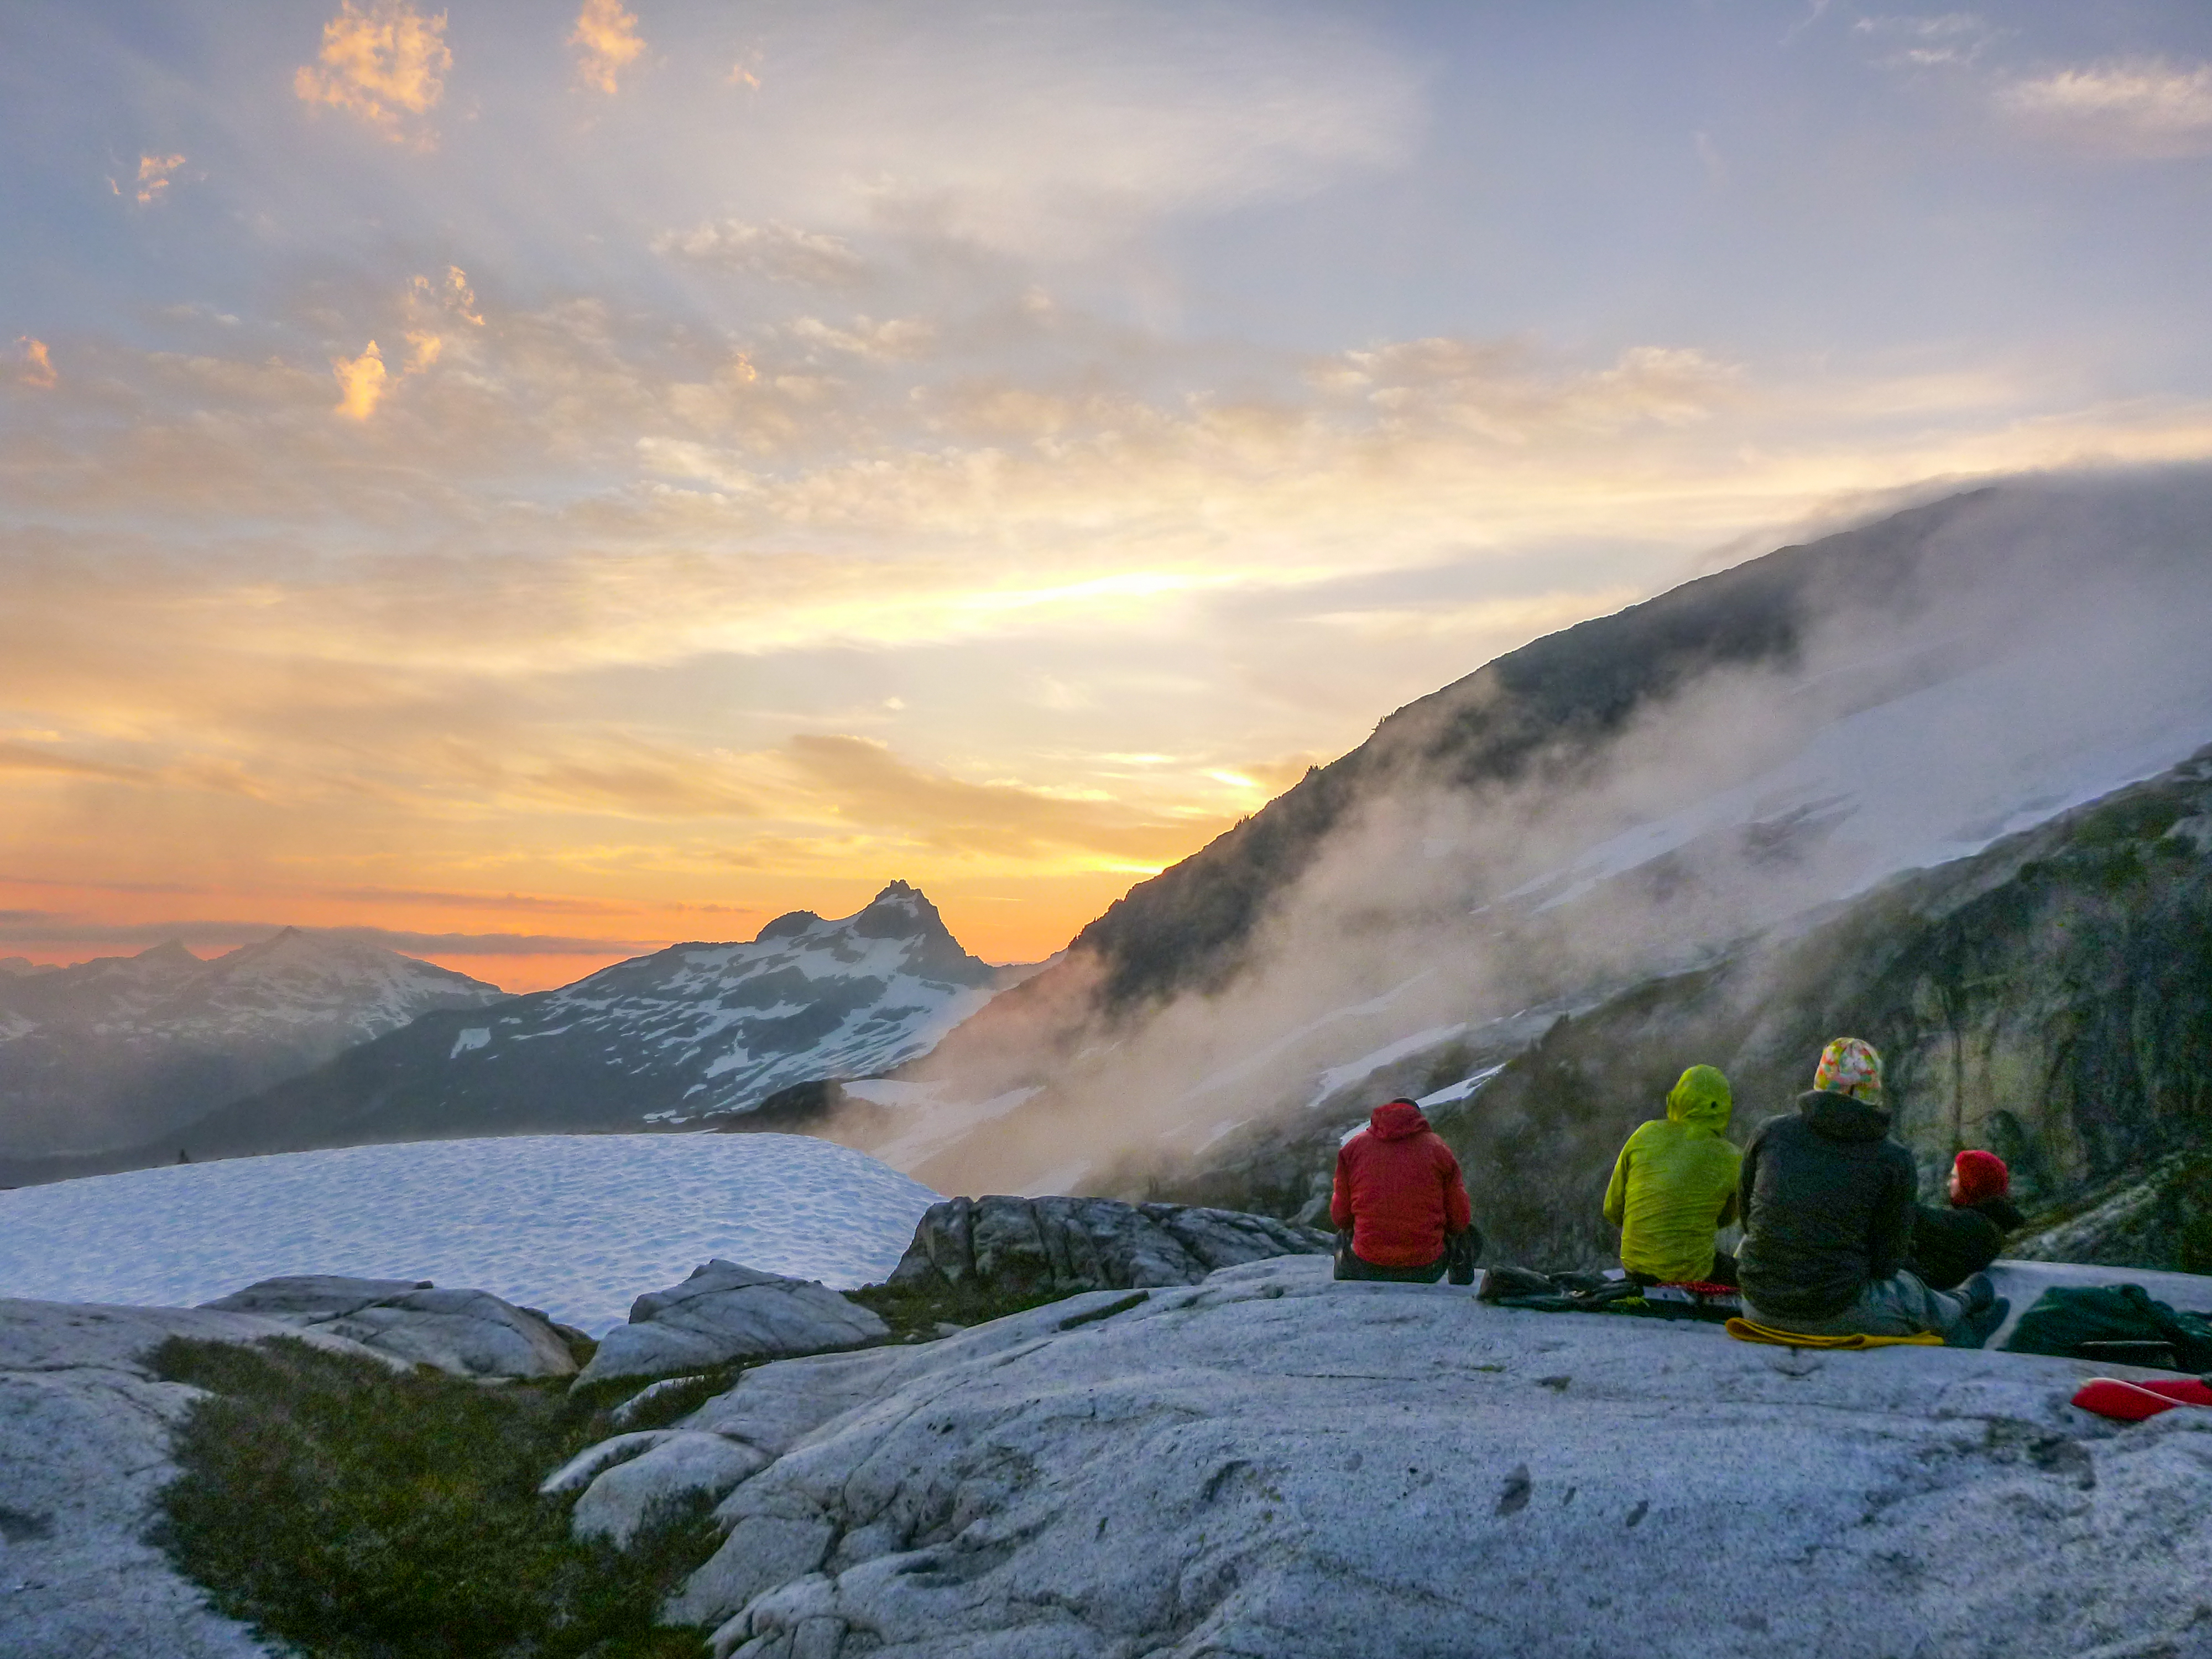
(1962, 1238)
(1400, 1197)
(1828, 1206)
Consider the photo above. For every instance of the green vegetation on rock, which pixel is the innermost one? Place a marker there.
(357, 1512)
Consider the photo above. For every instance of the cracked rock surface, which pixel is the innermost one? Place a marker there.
(84, 1438)
(465, 1333)
(1028, 1244)
(1274, 1464)
(723, 1313)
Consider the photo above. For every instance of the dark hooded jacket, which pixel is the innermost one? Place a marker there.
(1398, 1187)
(1828, 1204)
(1950, 1243)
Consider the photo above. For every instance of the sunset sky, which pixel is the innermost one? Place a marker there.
(534, 485)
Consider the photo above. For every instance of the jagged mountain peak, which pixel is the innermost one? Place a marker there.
(901, 910)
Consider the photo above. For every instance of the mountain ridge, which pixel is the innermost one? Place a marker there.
(680, 1037)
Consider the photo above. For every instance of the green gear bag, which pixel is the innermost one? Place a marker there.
(2067, 1315)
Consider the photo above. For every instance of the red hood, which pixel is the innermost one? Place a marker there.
(1396, 1120)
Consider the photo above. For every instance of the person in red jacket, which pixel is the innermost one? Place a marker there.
(1400, 1196)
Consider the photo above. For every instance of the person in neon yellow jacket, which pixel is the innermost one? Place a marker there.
(1674, 1187)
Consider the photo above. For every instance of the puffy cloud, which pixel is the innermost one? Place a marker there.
(37, 369)
(2145, 105)
(773, 250)
(155, 173)
(606, 40)
(449, 293)
(382, 61)
(422, 350)
(360, 383)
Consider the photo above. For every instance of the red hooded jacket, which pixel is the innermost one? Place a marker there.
(1398, 1189)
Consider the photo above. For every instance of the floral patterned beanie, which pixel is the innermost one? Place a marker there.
(1851, 1067)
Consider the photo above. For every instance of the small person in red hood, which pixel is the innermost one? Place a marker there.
(1400, 1195)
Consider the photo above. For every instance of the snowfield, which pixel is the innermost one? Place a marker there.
(578, 1225)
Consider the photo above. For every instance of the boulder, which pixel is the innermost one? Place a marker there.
(84, 1433)
(465, 1333)
(725, 1314)
(1024, 1246)
(1274, 1464)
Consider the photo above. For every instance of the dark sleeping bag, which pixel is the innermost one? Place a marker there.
(2120, 1323)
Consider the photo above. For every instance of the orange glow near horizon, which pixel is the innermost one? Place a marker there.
(503, 480)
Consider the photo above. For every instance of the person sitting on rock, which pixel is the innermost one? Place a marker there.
(1674, 1187)
(1828, 1215)
(1964, 1237)
(1399, 1198)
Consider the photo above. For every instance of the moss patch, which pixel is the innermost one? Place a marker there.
(914, 1314)
(360, 1513)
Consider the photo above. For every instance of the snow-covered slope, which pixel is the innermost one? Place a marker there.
(578, 1225)
(111, 1052)
(690, 1032)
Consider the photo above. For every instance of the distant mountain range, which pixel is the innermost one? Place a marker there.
(122, 1050)
(693, 1035)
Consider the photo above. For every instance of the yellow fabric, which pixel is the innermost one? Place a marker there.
(1673, 1184)
(1745, 1330)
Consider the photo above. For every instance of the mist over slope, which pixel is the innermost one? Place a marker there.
(113, 1052)
(1634, 797)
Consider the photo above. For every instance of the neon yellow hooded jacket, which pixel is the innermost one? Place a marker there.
(1674, 1184)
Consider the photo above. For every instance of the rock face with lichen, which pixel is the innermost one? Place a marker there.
(724, 1314)
(1026, 1246)
(466, 1332)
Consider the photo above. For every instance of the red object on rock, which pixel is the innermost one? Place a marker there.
(2132, 1402)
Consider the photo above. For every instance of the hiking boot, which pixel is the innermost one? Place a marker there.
(1979, 1291)
(1977, 1328)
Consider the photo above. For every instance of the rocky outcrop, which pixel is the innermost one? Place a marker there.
(84, 1433)
(466, 1332)
(1023, 1246)
(1270, 1463)
(725, 1314)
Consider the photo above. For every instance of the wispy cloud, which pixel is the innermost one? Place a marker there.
(1953, 40)
(869, 784)
(777, 250)
(37, 369)
(155, 173)
(24, 757)
(606, 42)
(2149, 106)
(449, 293)
(63, 930)
(383, 62)
(894, 339)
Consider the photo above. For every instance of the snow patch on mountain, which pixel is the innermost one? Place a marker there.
(578, 1225)
(730, 1024)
